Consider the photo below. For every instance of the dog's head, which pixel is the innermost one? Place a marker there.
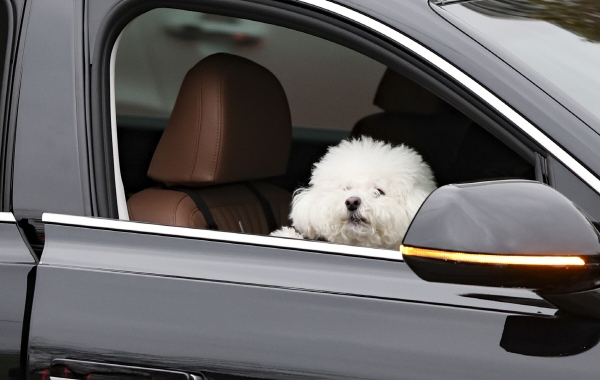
(363, 192)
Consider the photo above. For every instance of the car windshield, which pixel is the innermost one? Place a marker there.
(558, 39)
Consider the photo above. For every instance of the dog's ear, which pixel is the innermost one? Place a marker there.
(303, 208)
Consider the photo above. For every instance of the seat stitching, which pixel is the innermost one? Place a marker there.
(198, 129)
(174, 214)
(196, 211)
(219, 121)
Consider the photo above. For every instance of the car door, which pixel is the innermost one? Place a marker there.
(17, 261)
(206, 303)
(17, 273)
(120, 299)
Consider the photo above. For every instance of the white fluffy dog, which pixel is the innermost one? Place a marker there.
(363, 192)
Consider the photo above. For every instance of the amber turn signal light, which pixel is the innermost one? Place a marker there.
(477, 258)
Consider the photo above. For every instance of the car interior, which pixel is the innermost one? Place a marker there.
(220, 120)
(231, 125)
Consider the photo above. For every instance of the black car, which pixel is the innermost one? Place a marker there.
(110, 267)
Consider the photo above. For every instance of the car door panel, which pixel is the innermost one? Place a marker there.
(13, 282)
(120, 250)
(16, 263)
(266, 332)
(195, 305)
(13, 249)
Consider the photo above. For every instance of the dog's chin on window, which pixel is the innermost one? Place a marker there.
(362, 192)
(356, 221)
(356, 224)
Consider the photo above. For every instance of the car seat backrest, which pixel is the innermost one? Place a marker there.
(415, 117)
(231, 124)
(398, 94)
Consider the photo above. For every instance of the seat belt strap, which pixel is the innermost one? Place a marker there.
(201, 206)
(266, 206)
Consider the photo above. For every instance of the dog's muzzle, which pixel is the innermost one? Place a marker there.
(352, 203)
(354, 217)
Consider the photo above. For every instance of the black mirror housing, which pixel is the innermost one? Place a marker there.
(509, 233)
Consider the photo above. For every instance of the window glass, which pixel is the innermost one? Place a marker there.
(222, 162)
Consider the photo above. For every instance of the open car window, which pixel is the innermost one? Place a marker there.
(244, 166)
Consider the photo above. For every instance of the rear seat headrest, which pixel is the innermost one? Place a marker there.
(231, 122)
(396, 93)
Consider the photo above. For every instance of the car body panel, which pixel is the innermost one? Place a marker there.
(454, 13)
(14, 11)
(268, 312)
(190, 304)
(13, 282)
(13, 250)
(183, 257)
(50, 159)
(16, 263)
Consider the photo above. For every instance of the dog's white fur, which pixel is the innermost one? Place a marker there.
(361, 168)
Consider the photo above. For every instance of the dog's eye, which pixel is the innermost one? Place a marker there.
(347, 188)
(380, 191)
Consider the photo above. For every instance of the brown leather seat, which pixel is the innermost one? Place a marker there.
(415, 117)
(231, 123)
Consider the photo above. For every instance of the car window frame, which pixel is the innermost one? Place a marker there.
(8, 82)
(394, 48)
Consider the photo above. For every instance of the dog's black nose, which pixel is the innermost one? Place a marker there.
(352, 203)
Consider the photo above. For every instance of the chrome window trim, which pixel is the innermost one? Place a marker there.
(7, 217)
(467, 82)
(221, 236)
(119, 188)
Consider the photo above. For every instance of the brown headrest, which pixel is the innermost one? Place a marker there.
(396, 93)
(231, 122)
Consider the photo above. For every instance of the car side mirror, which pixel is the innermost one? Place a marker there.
(509, 233)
